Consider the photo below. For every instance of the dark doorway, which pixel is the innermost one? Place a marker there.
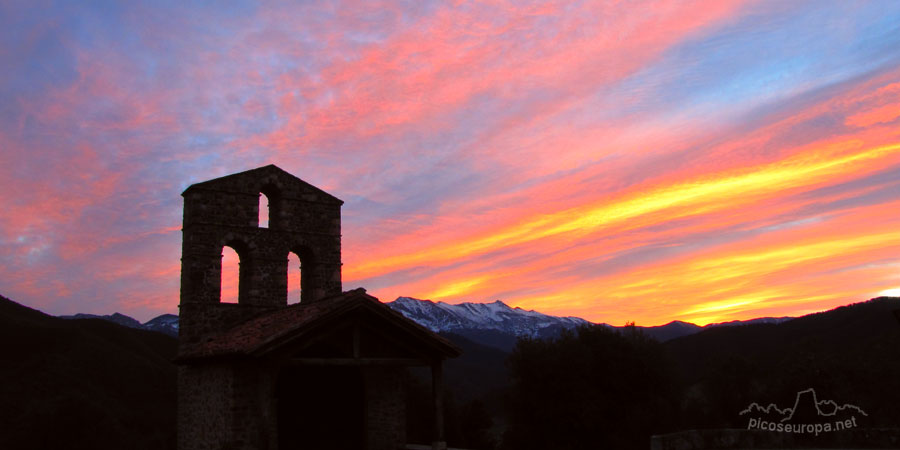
(321, 408)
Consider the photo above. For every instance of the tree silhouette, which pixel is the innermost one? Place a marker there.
(588, 389)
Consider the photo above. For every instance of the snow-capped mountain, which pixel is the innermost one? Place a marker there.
(498, 316)
(498, 325)
(495, 324)
(166, 323)
(121, 319)
(768, 320)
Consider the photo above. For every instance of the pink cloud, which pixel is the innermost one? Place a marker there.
(489, 128)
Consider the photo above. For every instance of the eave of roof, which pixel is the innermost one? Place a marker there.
(266, 333)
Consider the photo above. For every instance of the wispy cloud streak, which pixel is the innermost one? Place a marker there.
(694, 160)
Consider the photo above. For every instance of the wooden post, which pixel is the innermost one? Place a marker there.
(437, 391)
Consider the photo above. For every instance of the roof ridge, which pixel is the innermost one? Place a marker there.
(269, 167)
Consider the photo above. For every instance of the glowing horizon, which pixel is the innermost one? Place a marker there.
(691, 160)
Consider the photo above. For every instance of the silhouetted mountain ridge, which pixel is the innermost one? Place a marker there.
(83, 383)
(495, 324)
(847, 354)
(499, 325)
(102, 385)
(165, 323)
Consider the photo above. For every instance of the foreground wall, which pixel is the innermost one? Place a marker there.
(225, 407)
(739, 439)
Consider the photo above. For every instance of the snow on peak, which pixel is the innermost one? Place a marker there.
(497, 315)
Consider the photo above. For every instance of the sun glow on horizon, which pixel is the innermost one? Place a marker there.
(733, 284)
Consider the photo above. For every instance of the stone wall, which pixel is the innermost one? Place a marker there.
(225, 212)
(385, 407)
(253, 410)
(226, 406)
(204, 403)
(199, 319)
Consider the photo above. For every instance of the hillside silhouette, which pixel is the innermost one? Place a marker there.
(83, 384)
(850, 354)
(89, 383)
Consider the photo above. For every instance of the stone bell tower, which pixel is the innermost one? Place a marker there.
(225, 212)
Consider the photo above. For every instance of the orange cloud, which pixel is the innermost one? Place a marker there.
(615, 161)
(882, 114)
(799, 260)
(691, 197)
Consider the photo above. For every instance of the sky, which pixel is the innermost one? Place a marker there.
(619, 161)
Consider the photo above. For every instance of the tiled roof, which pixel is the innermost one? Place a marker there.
(263, 333)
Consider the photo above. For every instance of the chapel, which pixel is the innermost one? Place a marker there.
(327, 372)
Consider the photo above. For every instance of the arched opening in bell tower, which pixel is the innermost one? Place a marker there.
(263, 210)
(269, 207)
(295, 278)
(231, 275)
(302, 273)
